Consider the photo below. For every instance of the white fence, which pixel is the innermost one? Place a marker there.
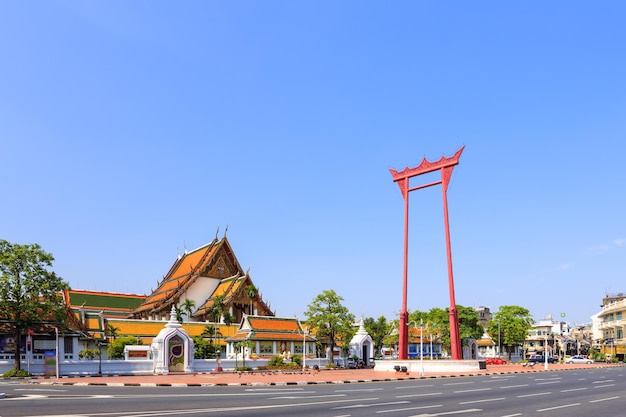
(67, 368)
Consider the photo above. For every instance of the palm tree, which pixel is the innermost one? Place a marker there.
(251, 292)
(188, 307)
(111, 331)
(179, 314)
(218, 308)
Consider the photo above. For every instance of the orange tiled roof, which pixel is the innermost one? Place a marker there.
(270, 328)
(273, 324)
(184, 272)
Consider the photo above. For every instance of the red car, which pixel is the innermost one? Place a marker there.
(495, 361)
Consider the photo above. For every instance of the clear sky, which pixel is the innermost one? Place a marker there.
(130, 131)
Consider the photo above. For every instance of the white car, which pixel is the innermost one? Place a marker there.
(579, 359)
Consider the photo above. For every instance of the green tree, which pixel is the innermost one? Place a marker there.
(228, 318)
(330, 318)
(188, 307)
(111, 332)
(378, 330)
(469, 325)
(30, 293)
(116, 348)
(509, 326)
(243, 345)
(179, 314)
(252, 292)
(217, 309)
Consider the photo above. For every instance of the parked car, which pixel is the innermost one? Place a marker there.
(495, 361)
(355, 364)
(579, 359)
(541, 359)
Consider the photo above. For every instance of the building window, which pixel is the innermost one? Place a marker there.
(68, 344)
(266, 348)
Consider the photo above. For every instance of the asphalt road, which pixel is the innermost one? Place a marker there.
(589, 392)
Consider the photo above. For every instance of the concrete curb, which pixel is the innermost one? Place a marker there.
(174, 380)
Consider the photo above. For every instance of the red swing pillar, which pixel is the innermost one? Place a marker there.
(445, 165)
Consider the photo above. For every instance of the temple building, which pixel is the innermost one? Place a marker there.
(212, 279)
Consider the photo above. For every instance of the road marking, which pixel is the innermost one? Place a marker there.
(459, 383)
(415, 386)
(604, 386)
(395, 410)
(219, 411)
(419, 395)
(603, 381)
(293, 397)
(273, 389)
(548, 382)
(446, 413)
(534, 395)
(604, 399)
(41, 389)
(369, 405)
(514, 386)
(359, 390)
(486, 400)
(472, 390)
(513, 415)
(574, 389)
(558, 407)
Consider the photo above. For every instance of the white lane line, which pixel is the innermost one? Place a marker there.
(294, 397)
(415, 386)
(486, 400)
(604, 399)
(548, 382)
(396, 410)
(603, 381)
(604, 386)
(514, 386)
(574, 389)
(447, 413)
(419, 395)
(472, 390)
(558, 407)
(534, 395)
(513, 415)
(369, 405)
(459, 383)
(359, 390)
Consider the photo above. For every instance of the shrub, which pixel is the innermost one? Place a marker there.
(88, 353)
(276, 361)
(15, 373)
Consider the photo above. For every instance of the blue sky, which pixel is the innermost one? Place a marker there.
(133, 130)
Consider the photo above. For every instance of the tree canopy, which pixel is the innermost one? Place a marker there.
(378, 330)
(30, 293)
(509, 326)
(436, 324)
(330, 318)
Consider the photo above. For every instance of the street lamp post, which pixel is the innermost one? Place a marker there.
(421, 348)
(303, 349)
(99, 358)
(430, 337)
(545, 354)
(499, 340)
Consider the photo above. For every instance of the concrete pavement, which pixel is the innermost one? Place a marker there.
(309, 377)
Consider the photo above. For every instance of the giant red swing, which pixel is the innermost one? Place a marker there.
(445, 165)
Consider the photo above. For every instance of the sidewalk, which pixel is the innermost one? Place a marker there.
(259, 378)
